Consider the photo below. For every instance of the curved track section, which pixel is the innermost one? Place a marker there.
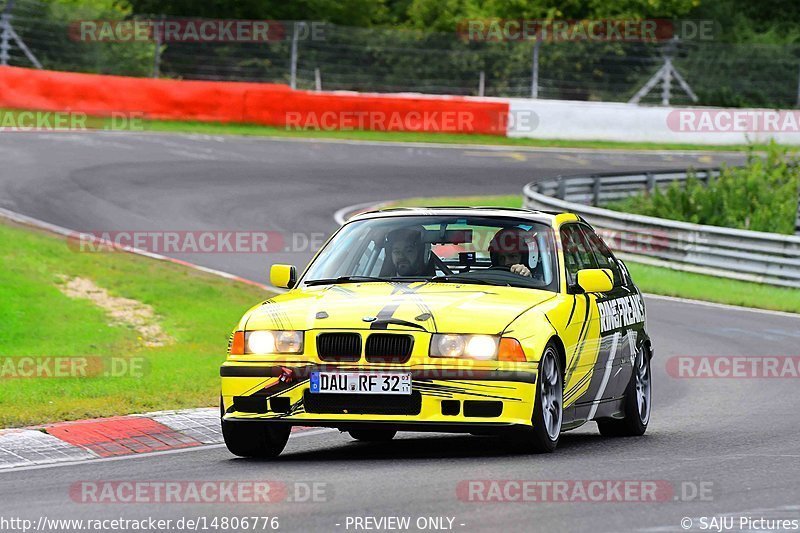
(739, 436)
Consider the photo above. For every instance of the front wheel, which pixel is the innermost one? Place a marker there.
(255, 439)
(637, 402)
(548, 409)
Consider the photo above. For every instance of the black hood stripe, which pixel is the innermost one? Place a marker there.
(393, 305)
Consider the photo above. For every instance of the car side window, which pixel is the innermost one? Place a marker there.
(577, 254)
(605, 259)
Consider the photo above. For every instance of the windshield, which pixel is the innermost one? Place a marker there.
(482, 250)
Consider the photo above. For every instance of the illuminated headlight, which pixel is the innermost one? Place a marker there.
(269, 342)
(470, 346)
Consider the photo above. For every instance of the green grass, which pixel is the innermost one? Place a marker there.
(652, 279)
(214, 128)
(198, 310)
(668, 282)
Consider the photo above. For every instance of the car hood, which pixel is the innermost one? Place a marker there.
(439, 307)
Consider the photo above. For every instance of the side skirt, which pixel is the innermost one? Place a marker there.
(608, 408)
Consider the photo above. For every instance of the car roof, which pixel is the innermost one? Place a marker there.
(546, 217)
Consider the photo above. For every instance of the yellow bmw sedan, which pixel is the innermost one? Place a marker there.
(474, 320)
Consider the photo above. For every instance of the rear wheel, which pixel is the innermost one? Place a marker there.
(255, 439)
(548, 407)
(637, 402)
(373, 435)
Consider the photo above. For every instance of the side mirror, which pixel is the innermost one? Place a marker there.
(283, 276)
(595, 279)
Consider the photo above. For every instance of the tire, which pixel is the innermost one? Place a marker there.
(548, 409)
(255, 439)
(373, 435)
(637, 402)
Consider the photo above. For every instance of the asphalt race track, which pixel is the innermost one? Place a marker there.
(740, 437)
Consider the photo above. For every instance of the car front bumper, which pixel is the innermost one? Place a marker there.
(442, 399)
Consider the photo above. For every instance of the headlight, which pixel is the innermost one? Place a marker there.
(481, 347)
(289, 341)
(470, 346)
(273, 342)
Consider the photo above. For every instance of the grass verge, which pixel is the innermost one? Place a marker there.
(653, 279)
(197, 310)
(214, 128)
(668, 282)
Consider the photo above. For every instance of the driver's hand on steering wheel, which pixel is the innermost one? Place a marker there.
(520, 269)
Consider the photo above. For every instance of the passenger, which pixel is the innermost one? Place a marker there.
(409, 253)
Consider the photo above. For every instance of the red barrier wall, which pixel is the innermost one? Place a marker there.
(258, 103)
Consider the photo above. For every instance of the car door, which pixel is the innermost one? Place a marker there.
(620, 313)
(579, 329)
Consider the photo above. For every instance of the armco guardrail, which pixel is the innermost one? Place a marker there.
(747, 255)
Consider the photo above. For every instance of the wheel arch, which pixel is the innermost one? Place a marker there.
(647, 344)
(562, 352)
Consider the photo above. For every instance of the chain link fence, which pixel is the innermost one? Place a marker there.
(394, 60)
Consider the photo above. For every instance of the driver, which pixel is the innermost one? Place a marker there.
(410, 254)
(508, 249)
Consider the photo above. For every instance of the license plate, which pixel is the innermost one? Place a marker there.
(360, 383)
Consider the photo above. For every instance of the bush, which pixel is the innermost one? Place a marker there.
(760, 196)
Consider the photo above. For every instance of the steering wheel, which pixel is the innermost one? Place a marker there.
(500, 267)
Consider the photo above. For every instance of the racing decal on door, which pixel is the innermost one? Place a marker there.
(618, 313)
(608, 349)
(601, 388)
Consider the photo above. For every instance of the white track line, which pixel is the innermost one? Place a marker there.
(438, 145)
(309, 433)
(339, 216)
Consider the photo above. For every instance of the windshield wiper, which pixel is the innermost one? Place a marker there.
(459, 279)
(344, 279)
(363, 279)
